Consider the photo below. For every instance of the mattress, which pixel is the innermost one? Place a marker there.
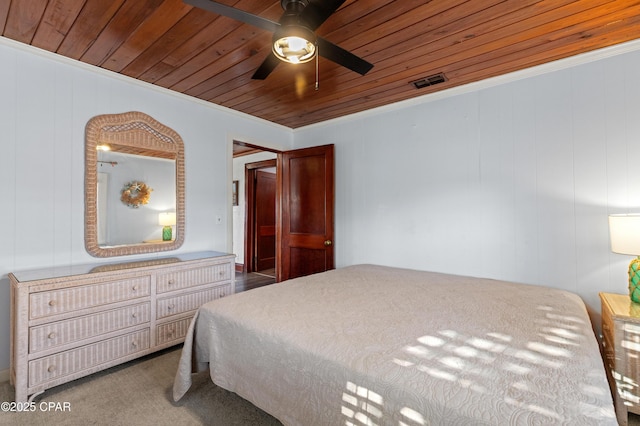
(369, 344)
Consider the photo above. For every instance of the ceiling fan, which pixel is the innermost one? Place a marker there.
(294, 39)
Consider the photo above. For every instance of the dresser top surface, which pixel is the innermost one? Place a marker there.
(90, 268)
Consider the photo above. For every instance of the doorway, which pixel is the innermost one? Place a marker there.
(254, 215)
(260, 222)
(298, 215)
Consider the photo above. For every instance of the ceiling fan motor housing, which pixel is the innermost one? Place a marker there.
(295, 6)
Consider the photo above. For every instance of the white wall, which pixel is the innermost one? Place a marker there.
(512, 181)
(45, 104)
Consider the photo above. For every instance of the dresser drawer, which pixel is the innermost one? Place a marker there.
(173, 330)
(190, 301)
(193, 277)
(76, 360)
(47, 303)
(63, 332)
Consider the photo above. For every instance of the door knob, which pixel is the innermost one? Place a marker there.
(327, 243)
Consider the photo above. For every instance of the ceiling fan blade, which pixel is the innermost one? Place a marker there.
(267, 66)
(342, 57)
(317, 12)
(237, 14)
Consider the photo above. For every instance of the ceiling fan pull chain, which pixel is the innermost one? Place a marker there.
(317, 74)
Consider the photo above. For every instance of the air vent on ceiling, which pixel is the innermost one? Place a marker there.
(429, 81)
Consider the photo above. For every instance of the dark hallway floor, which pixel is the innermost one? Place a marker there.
(251, 280)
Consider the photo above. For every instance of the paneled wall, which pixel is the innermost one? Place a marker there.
(510, 181)
(45, 103)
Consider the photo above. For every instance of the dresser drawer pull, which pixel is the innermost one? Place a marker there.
(51, 368)
(52, 335)
(134, 315)
(134, 288)
(134, 343)
(222, 294)
(52, 303)
(171, 306)
(171, 281)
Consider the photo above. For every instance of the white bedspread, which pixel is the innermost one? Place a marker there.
(377, 345)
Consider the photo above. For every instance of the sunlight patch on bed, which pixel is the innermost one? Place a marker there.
(466, 352)
(452, 362)
(412, 416)
(535, 358)
(486, 345)
(534, 408)
(522, 386)
(500, 336)
(517, 368)
(437, 373)
(558, 317)
(403, 362)
(431, 341)
(549, 350)
(473, 361)
(558, 340)
(419, 351)
(563, 332)
(361, 405)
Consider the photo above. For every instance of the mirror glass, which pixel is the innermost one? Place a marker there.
(134, 186)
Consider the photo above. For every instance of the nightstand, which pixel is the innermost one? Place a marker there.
(621, 346)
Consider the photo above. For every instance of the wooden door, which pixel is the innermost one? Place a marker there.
(306, 199)
(265, 215)
(251, 195)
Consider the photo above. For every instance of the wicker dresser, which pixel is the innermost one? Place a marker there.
(67, 323)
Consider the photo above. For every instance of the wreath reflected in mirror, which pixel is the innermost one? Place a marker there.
(134, 194)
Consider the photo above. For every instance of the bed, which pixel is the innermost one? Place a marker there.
(369, 344)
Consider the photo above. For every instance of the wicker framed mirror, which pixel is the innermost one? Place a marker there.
(134, 186)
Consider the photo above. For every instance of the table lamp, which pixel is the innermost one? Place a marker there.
(625, 239)
(167, 220)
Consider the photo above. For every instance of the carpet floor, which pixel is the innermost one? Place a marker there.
(137, 393)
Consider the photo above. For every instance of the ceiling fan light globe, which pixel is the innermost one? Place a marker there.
(295, 50)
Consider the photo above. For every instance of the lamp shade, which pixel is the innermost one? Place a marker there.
(625, 234)
(167, 219)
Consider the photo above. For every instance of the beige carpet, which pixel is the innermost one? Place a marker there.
(139, 393)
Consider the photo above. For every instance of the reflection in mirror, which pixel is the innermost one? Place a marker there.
(132, 191)
(134, 171)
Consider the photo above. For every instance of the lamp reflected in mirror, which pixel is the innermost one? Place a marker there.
(167, 220)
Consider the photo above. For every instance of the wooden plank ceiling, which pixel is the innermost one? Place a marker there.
(185, 49)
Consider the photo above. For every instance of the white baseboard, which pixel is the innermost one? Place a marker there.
(4, 375)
